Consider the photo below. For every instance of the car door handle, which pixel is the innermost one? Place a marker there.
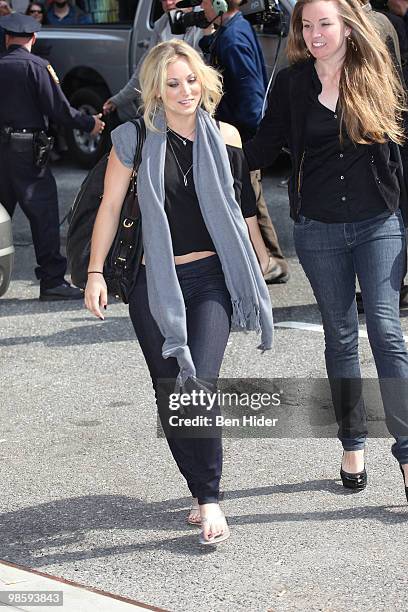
(143, 44)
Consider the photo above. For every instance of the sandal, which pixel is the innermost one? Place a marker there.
(194, 517)
(218, 539)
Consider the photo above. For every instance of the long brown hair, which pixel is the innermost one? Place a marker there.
(371, 96)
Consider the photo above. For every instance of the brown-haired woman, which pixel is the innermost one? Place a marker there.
(339, 107)
(36, 10)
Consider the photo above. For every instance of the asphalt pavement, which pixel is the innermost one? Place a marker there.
(90, 493)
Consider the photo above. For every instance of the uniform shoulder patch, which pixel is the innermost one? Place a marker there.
(53, 73)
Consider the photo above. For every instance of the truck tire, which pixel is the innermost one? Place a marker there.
(6, 267)
(6, 250)
(84, 148)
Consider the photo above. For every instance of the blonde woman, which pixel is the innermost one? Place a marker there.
(200, 274)
(339, 106)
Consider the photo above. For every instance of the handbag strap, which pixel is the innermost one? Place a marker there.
(140, 126)
(130, 216)
(133, 210)
(395, 155)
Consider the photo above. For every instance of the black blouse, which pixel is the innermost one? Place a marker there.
(338, 185)
(188, 231)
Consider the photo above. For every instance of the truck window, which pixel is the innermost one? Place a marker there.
(109, 11)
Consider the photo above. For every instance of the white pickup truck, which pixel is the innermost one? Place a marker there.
(95, 61)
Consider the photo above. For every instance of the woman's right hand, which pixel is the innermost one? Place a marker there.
(96, 295)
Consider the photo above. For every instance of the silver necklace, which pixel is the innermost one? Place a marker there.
(178, 163)
(182, 138)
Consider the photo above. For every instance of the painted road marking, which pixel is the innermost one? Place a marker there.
(314, 327)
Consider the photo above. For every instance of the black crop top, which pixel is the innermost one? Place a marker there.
(188, 231)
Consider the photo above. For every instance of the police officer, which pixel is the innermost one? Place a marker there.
(31, 95)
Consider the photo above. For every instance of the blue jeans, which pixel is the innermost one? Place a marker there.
(332, 256)
(208, 312)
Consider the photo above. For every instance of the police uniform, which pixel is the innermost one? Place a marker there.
(31, 97)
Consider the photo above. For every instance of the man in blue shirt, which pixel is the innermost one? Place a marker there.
(62, 13)
(235, 51)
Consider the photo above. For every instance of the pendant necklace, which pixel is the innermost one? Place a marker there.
(178, 164)
(182, 138)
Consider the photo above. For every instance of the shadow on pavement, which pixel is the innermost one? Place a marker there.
(303, 312)
(37, 536)
(11, 307)
(113, 329)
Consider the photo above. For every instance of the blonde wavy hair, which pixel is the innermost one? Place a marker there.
(371, 96)
(153, 77)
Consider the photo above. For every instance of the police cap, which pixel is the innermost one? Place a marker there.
(19, 25)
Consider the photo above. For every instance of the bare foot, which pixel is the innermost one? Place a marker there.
(214, 525)
(353, 461)
(194, 516)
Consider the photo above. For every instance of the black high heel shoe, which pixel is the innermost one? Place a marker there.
(357, 481)
(403, 476)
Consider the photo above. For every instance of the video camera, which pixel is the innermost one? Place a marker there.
(258, 12)
(181, 21)
(262, 12)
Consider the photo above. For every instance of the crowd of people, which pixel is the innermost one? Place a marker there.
(209, 243)
(53, 12)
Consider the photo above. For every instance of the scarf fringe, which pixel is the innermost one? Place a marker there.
(251, 307)
(245, 316)
(183, 376)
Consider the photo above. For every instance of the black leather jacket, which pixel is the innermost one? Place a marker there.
(284, 124)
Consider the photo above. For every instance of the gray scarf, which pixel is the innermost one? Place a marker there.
(251, 306)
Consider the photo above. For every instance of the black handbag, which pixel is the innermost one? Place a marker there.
(123, 261)
(395, 156)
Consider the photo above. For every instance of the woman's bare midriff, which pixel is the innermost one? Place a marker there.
(182, 259)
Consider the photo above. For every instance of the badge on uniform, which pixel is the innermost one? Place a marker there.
(53, 73)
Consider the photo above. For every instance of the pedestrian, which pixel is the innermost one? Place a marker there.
(40, 47)
(33, 97)
(4, 11)
(36, 11)
(5, 8)
(234, 50)
(161, 32)
(62, 13)
(386, 29)
(339, 106)
(200, 274)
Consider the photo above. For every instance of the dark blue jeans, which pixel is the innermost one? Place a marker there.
(332, 256)
(208, 311)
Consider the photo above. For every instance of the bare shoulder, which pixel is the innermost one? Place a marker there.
(230, 135)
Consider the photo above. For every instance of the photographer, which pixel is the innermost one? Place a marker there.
(234, 50)
(161, 33)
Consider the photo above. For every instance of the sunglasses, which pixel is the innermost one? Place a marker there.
(31, 11)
